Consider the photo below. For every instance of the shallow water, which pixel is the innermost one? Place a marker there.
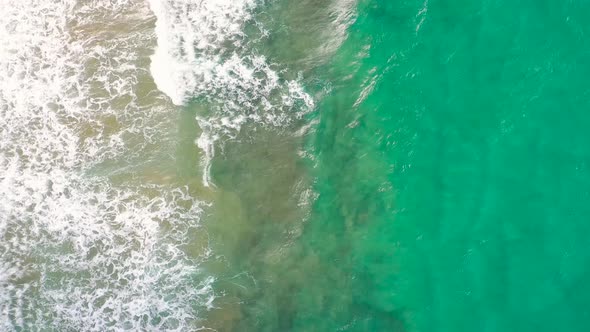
(293, 166)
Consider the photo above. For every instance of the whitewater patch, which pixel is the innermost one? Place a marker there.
(203, 54)
(191, 35)
(78, 251)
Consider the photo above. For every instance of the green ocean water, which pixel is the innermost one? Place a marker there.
(438, 182)
(449, 156)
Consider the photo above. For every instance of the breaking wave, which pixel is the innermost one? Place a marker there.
(203, 54)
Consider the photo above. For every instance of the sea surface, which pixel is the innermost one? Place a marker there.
(274, 165)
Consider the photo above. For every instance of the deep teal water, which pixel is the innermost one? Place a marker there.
(456, 195)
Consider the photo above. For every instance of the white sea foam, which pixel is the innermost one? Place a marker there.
(421, 16)
(203, 54)
(79, 252)
(190, 36)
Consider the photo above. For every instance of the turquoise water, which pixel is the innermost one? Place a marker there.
(456, 194)
(451, 163)
(338, 165)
